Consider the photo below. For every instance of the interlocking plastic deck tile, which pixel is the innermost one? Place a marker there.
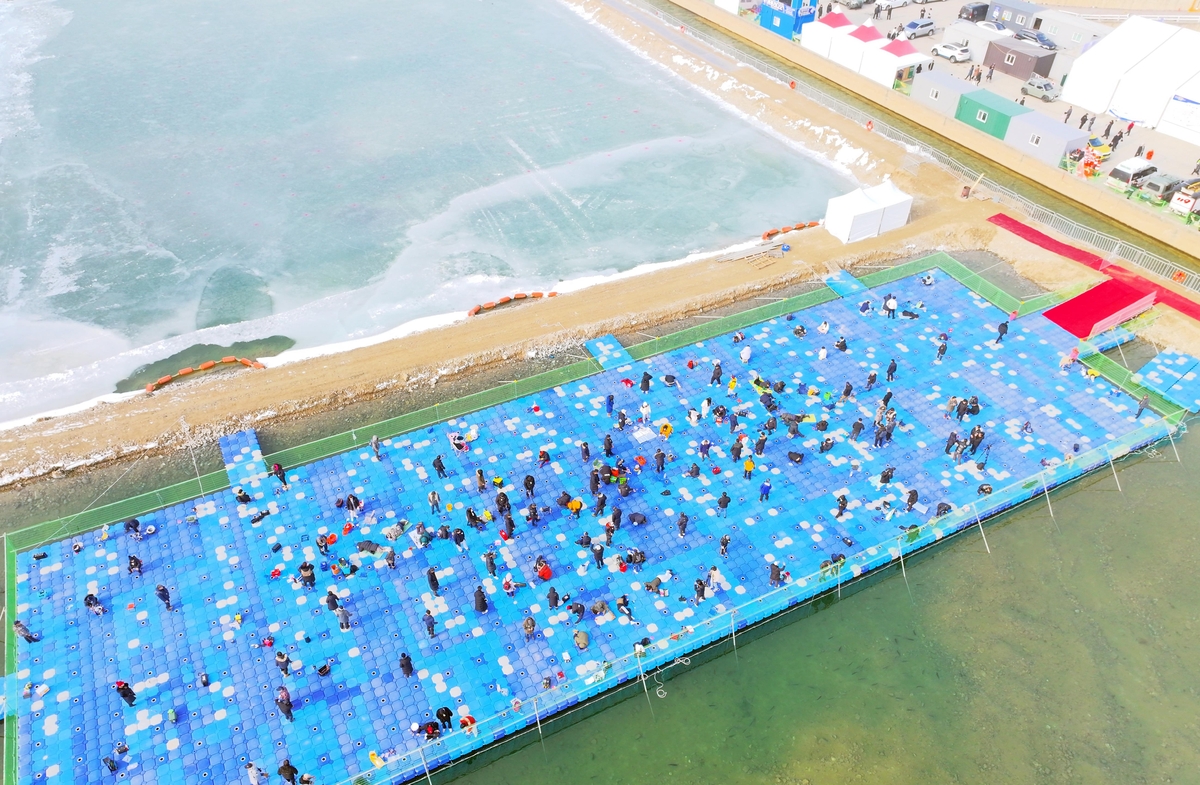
(218, 556)
(1175, 376)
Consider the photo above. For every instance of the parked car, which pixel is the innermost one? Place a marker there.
(1131, 174)
(1099, 148)
(1187, 199)
(917, 28)
(886, 4)
(854, 5)
(1035, 37)
(1039, 86)
(973, 12)
(955, 53)
(995, 27)
(923, 2)
(1161, 186)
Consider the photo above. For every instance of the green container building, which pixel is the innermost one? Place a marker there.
(988, 112)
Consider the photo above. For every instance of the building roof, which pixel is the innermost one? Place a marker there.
(997, 103)
(1018, 5)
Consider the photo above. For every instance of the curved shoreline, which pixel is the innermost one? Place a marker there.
(204, 409)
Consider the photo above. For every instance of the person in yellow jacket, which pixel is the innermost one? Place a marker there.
(665, 431)
(575, 506)
(748, 466)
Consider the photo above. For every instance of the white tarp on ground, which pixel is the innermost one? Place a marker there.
(1181, 118)
(865, 213)
(1145, 90)
(817, 36)
(1094, 78)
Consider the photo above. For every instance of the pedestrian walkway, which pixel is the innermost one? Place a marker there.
(609, 352)
(232, 566)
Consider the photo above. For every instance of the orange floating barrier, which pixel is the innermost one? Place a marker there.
(164, 379)
(257, 365)
(503, 300)
(552, 294)
(785, 229)
(245, 362)
(150, 387)
(184, 371)
(814, 223)
(535, 295)
(519, 296)
(488, 306)
(228, 359)
(207, 365)
(473, 311)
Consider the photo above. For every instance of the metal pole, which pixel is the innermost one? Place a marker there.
(979, 523)
(1046, 491)
(733, 633)
(642, 676)
(838, 566)
(538, 719)
(903, 571)
(425, 763)
(1123, 360)
(1173, 447)
(1114, 471)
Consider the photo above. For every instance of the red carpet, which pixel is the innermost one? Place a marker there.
(1133, 280)
(1100, 308)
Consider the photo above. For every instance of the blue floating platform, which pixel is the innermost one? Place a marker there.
(1175, 376)
(1111, 339)
(609, 352)
(844, 284)
(231, 569)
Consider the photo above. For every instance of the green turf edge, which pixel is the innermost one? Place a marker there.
(10, 665)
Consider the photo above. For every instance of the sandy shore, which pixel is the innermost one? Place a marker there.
(205, 408)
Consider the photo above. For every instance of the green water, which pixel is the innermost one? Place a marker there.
(1067, 655)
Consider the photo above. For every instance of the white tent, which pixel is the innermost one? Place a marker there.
(895, 203)
(1094, 78)
(862, 214)
(847, 50)
(817, 36)
(1181, 118)
(883, 64)
(1143, 92)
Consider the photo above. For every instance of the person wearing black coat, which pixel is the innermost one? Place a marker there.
(431, 574)
(481, 603)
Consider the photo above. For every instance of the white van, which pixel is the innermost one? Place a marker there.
(1130, 174)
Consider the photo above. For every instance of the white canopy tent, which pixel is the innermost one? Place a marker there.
(847, 50)
(1093, 80)
(1144, 91)
(866, 213)
(883, 64)
(895, 203)
(817, 36)
(1181, 118)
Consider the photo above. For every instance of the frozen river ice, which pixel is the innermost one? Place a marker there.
(210, 172)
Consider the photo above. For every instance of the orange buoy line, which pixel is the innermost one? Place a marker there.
(767, 235)
(476, 310)
(204, 366)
